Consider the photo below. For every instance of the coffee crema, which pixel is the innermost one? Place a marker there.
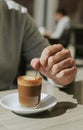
(29, 80)
(29, 90)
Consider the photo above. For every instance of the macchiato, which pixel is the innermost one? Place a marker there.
(29, 90)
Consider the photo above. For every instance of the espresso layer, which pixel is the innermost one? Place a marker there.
(29, 91)
(29, 96)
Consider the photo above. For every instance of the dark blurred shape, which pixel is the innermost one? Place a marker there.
(64, 39)
(78, 32)
(27, 3)
(21, 69)
(61, 11)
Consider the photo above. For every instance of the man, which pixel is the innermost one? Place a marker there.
(19, 36)
(63, 23)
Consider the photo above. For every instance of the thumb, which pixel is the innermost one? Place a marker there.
(35, 63)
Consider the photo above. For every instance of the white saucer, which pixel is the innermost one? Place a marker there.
(11, 102)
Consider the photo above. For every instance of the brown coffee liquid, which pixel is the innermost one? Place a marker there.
(28, 96)
(29, 89)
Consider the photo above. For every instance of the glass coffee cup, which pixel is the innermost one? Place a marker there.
(29, 90)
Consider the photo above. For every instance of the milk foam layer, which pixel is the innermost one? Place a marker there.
(29, 80)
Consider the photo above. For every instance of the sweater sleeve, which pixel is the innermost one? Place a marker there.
(33, 41)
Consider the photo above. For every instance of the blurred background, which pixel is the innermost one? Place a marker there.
(43, 13)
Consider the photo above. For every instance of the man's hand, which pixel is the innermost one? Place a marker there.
(56, 63)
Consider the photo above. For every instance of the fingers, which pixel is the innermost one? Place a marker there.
(56, 63)
(58, 57)
(66, 76)
(67, 72)
(66, 63)
(50, 50)
(35, 63)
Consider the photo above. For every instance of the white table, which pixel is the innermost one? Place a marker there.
(66, 115)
